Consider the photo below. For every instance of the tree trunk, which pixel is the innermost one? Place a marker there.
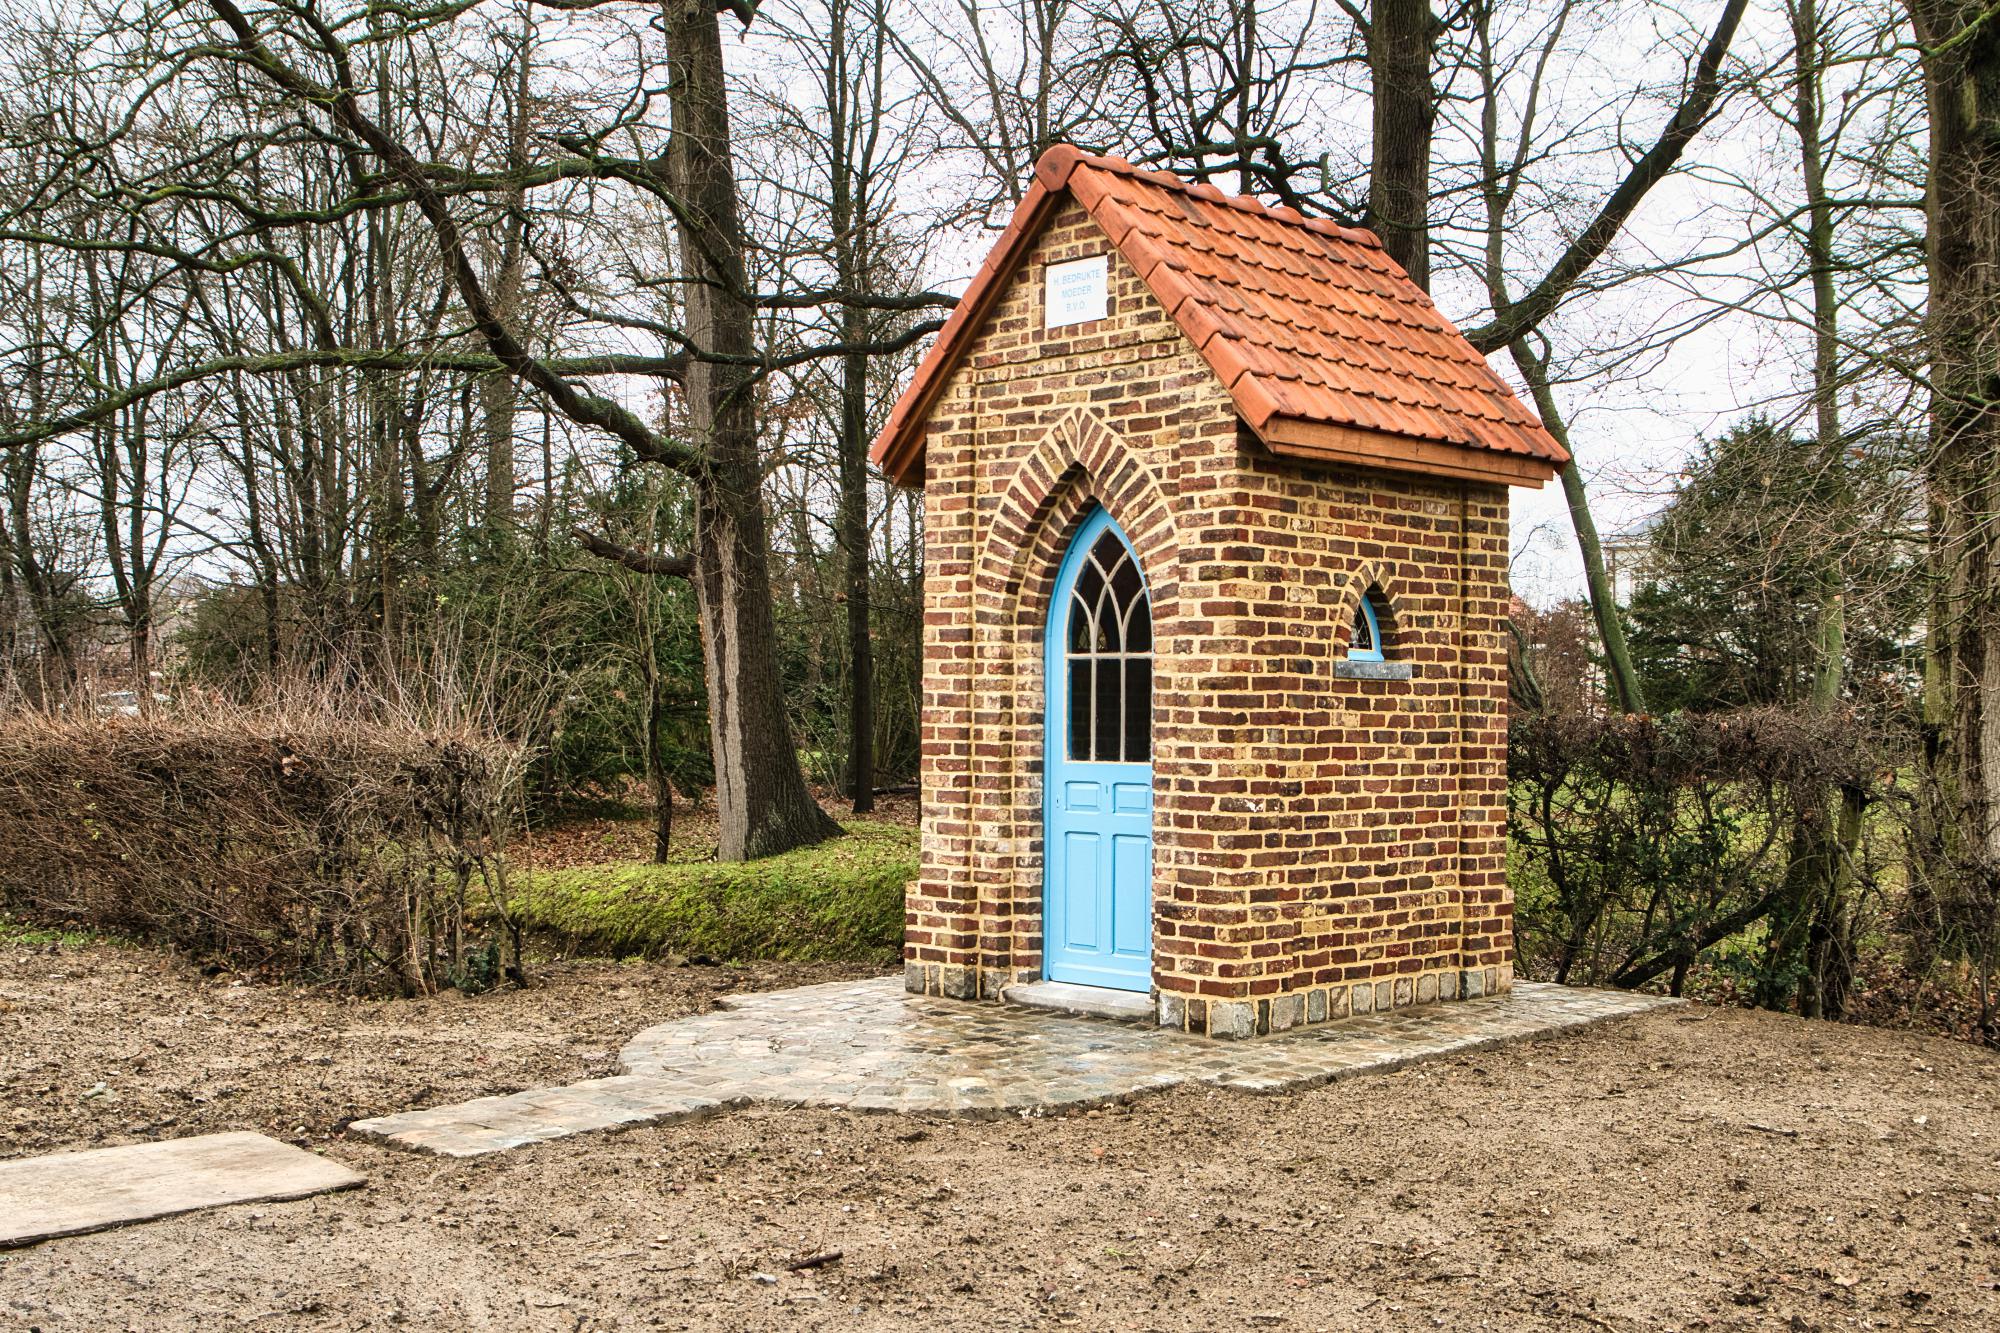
(849, 216)
(499, 393)
(1960, 843)
(1401, 37)
(853, 529)
(499, 397)
(263, 561)
(1802, 945)
(1830, 941)
(658, 780)
(761, 796)
(50, 600)
(139, 631)
(1621, 681)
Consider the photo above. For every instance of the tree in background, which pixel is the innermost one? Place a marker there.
(834, 166)
(1401, 38)
(1513, 84)
(1727, 614)
(395, 317)
(1959, 43)
(1552, 665)
(430, 228)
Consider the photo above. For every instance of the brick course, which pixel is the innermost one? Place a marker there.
(1322, 845)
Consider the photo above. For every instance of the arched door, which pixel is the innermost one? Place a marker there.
(1097, 906)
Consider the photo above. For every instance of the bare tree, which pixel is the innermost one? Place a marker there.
(1007, 78)
(1227, 91)
(1516, 316)
(1959, 43)
(339, 85)
(834, 169)
(1401, 37)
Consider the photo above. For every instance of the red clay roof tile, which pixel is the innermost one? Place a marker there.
(1299, 318)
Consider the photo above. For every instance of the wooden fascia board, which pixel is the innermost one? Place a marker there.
(1324, 442)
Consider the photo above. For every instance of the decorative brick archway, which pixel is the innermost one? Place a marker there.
(1080, 463)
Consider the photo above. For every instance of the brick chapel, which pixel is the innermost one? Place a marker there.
(1215, 662)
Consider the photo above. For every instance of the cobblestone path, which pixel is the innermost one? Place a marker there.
(871, 1046)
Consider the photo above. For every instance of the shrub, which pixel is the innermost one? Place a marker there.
(841, 901)
(309, 844)
(1640, 845)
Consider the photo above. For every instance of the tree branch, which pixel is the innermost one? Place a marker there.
(323, 358)
(344, 106)
(642, 562)
(1519, 318)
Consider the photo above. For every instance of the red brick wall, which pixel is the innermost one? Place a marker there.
(1322, 845)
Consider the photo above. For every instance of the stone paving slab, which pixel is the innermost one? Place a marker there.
(494, 1124)
(67, 1194)
(872, 1046)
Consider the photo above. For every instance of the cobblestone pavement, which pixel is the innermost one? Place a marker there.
(871, 1046)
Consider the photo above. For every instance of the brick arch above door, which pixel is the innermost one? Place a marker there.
(1080, 464)
(1080, 461)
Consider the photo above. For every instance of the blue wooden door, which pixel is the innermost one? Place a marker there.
(1097, 906)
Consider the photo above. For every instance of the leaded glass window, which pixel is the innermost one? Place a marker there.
(1109, 655)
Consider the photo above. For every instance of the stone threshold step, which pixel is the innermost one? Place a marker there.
(1063, 997)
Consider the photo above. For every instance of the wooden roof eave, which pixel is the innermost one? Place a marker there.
(1321, 442)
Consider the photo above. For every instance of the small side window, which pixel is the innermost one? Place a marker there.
(1364, 643)
(1367, 648)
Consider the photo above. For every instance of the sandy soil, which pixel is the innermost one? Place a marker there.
(1702, 1169)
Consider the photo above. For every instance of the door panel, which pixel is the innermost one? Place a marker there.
(1132, 895)
(1132, 798)
(1081, 854)
(1097, 913)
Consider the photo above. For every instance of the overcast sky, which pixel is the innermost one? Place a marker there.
(1633, 424)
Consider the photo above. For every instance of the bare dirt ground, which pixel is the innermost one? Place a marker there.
(1705, 1169)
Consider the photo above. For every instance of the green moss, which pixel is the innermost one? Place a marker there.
(841, 901)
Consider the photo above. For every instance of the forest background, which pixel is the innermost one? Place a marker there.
(504, 370)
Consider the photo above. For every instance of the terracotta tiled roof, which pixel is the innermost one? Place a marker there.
(1326, 346)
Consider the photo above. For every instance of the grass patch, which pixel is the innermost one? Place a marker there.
(29, 935)
(841, 901)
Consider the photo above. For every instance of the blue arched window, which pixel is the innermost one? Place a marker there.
(1364, 644)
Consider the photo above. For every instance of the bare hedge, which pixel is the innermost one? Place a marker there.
(309, 845)
(1639, 844)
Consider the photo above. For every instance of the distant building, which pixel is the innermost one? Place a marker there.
(1626, 557)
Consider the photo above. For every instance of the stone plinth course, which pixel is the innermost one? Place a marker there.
(67, 1194)
(872, 1046)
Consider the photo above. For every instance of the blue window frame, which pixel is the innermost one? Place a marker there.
(1364, 644)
